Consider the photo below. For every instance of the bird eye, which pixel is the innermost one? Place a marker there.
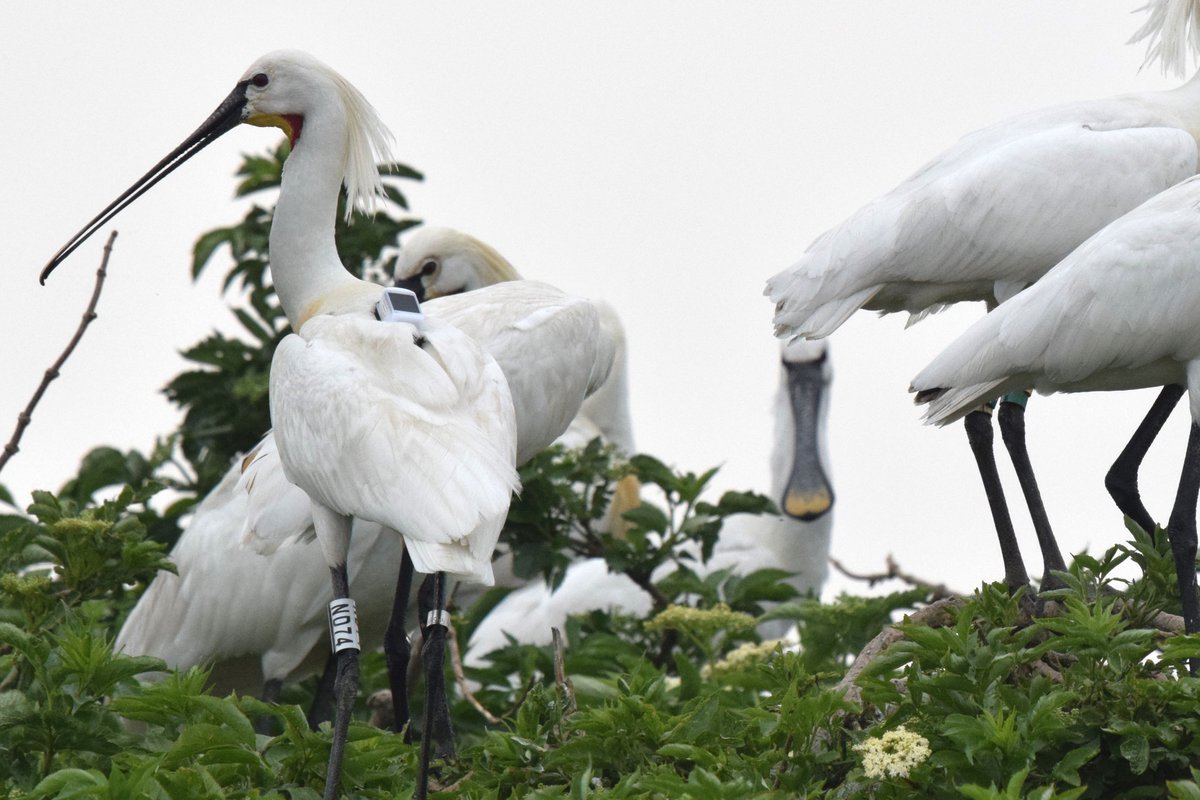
(260, 80)
(429, 267)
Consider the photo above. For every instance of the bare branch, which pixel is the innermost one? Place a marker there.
(935, 615)
(560, 673)
(26, 416)
(939, 590)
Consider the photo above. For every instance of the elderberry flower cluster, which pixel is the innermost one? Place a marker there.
(702, 623)
(743, 656)
(894, 754)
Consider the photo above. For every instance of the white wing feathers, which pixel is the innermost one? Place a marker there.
(549, 344)
(1003, 205)
(278, 512)
(367, 418)
(1117, 313)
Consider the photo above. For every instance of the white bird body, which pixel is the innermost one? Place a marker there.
(533, 331)
(1117, 313)
(994, 212)
(526, 326)
(605, 412)
(527, 614)
(447, 263)
(253, 618)
(370, 418)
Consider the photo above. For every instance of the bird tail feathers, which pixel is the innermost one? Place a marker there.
(811, 318)
(454, 558)
(946, 405)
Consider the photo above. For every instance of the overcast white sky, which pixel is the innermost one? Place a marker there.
(668, 157)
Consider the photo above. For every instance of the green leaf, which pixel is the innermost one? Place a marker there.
(1135, 748)
(1067, 768)
(648, 517)
(205, 246)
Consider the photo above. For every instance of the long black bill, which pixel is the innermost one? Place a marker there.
(227, 116)
(808, 494)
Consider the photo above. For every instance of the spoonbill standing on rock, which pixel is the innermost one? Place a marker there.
(408, 425)
(1118, 313)
(982, 221)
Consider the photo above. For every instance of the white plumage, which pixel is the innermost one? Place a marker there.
(982, 221)
(395, 425)
(409, 426)
(442, 262)
(1171, 32)
(994, 212)
(530, 329)
(1118, 313)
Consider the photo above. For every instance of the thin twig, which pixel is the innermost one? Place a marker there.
(461, 679)
(9, 679)
(560, 673)
(26, 416)
(939, 590)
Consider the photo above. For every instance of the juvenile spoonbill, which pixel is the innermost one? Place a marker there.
(1118, 313)
(408, 425)
(983, 220)
(797, 540)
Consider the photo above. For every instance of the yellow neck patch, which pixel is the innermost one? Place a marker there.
(288, 123)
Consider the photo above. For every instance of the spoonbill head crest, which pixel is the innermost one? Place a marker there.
(436, 262)
(289, 90)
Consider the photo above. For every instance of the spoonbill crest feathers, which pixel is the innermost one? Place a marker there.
(1172, 27)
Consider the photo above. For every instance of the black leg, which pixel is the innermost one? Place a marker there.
(1181, 530)
(1011, 418)
(322, 702)
(434, 625)
(397, 649)
(979, 434)
(270, 694)
(1122, 478)
(344, 634)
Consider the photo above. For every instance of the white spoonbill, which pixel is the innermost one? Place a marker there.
(1118, 313)
(985, 219)
(797, 540)
(439, 262)
(189, 618)
(407, 425)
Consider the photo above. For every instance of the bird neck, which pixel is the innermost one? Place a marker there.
(304, 261)
(1185, 102)
(493, 267)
